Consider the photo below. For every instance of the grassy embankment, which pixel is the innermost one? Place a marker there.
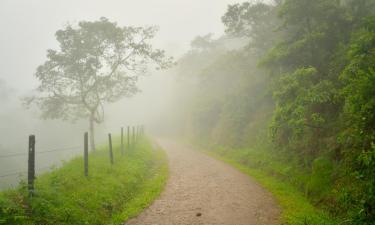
(281, 179)
(110, 195)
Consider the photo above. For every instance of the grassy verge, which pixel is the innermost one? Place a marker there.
(296, 208)
(110, 195)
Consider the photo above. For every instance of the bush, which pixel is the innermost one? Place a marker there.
(320, 180)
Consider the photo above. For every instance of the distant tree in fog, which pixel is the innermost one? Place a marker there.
(98, 62)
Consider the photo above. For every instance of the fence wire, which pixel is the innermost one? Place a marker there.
(42, 151)
(14, 173)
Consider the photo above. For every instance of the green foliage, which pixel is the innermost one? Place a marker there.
(303, 111)
(321, 178)
(254, 20)
(303, 85)
(322, 113)
(110, 195)
(358, 136)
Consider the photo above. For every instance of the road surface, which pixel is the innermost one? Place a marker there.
(204, 191)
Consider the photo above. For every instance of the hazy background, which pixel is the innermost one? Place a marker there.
(27, 31)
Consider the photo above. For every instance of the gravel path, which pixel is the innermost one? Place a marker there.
(204, 191)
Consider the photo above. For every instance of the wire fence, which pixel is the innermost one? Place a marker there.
(42, 151)
(32, 169)
(24, 154)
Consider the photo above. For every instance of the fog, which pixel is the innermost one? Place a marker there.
(28, 29)
(283, 89)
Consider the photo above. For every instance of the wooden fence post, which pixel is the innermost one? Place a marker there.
(136, 134)
(133, 136)
(86, 154)
(122, 141)
(31, 165)
(110, 148)
(128, 138)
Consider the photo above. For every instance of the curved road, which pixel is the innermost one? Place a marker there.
(205, 191)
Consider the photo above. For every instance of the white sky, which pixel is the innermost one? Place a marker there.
(28, 27)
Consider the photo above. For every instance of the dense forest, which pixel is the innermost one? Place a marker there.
(294, 79)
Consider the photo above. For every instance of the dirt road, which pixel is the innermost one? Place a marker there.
(204, 191)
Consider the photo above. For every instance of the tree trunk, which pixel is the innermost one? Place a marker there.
(92, 134)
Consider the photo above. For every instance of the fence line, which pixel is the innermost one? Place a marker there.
(43, 151)
(60, 149)
(12, 155)
(132, 138)
(13, 174)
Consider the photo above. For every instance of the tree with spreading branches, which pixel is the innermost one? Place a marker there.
(97, 63)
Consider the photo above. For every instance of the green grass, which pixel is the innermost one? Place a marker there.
(110, 195)
(265, 169)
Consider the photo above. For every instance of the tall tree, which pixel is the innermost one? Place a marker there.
(254, 20)
(98, 62)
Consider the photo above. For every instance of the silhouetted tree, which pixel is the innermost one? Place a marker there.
(98, 62)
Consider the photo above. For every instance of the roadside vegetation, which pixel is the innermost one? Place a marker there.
(288, 91)
(110, 195)
(282, 179)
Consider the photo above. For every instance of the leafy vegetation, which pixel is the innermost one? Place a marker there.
(300, 87)
(110, 195)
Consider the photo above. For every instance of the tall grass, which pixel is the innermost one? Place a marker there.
(110, 195)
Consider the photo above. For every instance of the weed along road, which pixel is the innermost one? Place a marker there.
(204, 191)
